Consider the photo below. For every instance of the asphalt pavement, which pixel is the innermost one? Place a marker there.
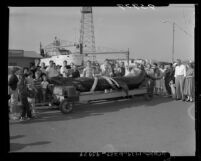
(132, 125)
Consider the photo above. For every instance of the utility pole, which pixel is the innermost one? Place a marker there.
(128, 57)
(87, 37)
(173, 32)
(173, 25)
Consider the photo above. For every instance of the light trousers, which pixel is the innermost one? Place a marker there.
(179, 83)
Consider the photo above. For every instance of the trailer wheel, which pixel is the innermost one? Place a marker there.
(66, 106)
(148, 96)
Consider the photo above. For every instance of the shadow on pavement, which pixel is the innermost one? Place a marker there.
(88, 110)
(17, 146)
(16, 137)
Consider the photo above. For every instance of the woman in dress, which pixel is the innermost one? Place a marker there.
(189, 84)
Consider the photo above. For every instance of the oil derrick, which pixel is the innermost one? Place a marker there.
(87, 38)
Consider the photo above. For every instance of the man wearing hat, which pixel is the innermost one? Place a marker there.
(23, 93)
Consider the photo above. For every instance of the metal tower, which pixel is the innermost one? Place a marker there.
(87, 38)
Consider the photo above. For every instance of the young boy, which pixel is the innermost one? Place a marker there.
(32, 91)
(37, 84)
(44, 85)
(88, 70)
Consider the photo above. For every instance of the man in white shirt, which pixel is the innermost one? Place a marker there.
(51, 71)
(64, 70)
(180, 74)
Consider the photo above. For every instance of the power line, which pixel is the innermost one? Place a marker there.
(171, 22)
(183, 30)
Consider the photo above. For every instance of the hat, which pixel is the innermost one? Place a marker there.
(174, 65)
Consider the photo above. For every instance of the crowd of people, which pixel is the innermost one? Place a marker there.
(31, 85)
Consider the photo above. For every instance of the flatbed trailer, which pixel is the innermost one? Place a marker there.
(68, 97)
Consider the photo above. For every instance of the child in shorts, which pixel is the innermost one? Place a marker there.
(44, 85)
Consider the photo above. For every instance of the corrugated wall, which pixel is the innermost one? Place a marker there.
(22, 62)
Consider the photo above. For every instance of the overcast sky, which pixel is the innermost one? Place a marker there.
(140, 30)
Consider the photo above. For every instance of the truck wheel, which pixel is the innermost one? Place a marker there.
(66, 106)
(148, 96)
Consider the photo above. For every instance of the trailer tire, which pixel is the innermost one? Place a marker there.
(148, 96)
(66, 106)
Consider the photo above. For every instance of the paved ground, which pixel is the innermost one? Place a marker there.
(126, 126)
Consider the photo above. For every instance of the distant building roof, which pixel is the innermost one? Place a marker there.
(22, 53)
(32, 54)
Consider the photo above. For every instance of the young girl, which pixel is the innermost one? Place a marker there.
(44, 85)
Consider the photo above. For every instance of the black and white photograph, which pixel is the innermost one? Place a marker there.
(102, 79)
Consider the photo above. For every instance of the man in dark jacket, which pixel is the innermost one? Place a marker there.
(23, 94)
(169, 77)
(123, 70)
(12, 92)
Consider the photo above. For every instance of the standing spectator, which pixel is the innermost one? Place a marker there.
(32, 91)
(51, 71)
(71, 65)
(43, 68)
(162, 81)
(149, 70)
(157, 73)
(33, 68)
(26, 71)
(37, 84)
(37, 63)
(75, 72)
(172, 82)
(64, 70)
(106, 69)
(97, 71)
(169, 75)
(56, 71)
(189, 86)
(150, 82)
(180, 74)
(136, 69)
(44, 85)
(22, 89)
(88, 71)
(12, 88)
(122, 67)
(58, 68)
(117, 70)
